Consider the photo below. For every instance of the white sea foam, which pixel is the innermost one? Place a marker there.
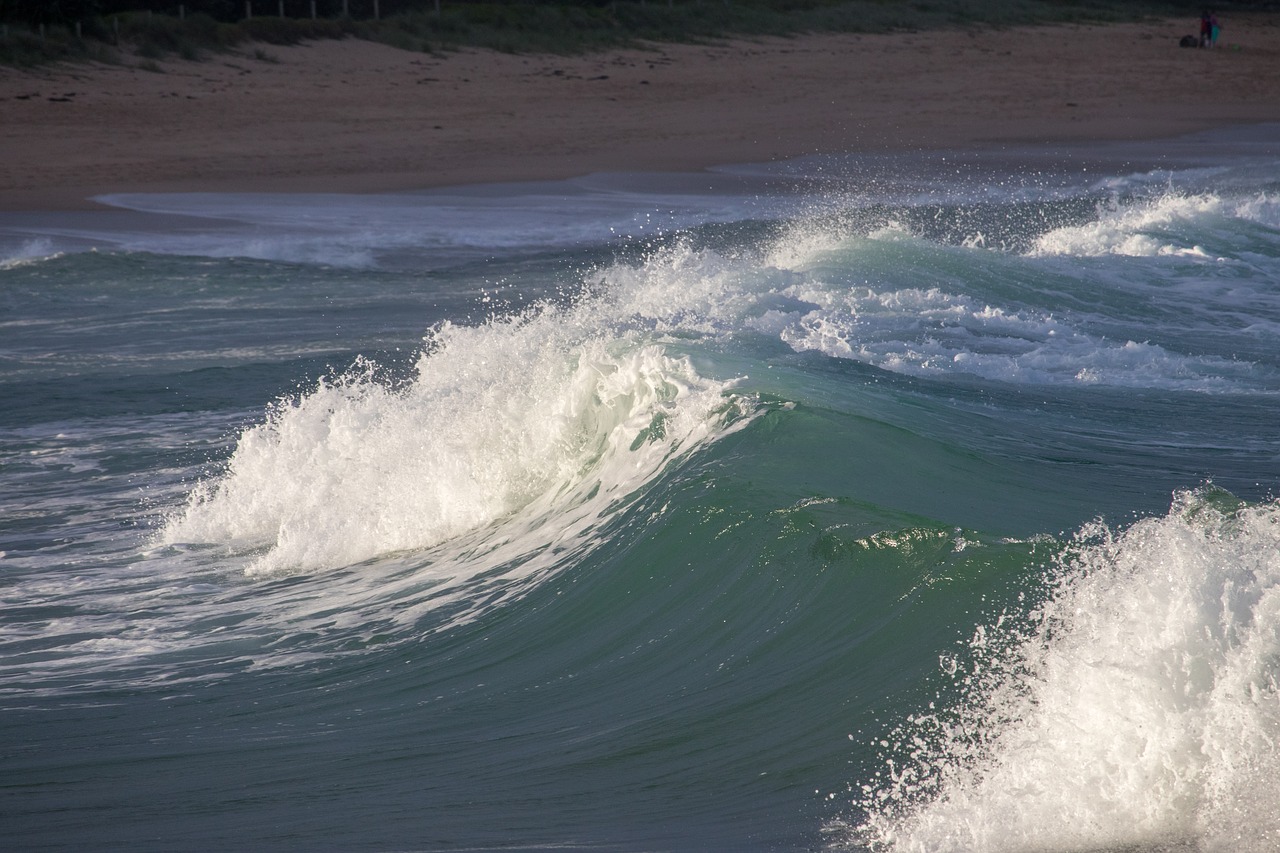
(27, 252)
(518, 421)
(496, 463)
(1138, 708)
(502, 423)
(1164, 225)
(1263, 209)
(938, 331)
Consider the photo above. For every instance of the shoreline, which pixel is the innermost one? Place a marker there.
(358, 117)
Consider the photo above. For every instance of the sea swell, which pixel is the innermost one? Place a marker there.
(848, 527)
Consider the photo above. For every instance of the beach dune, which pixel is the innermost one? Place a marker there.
(353, 116)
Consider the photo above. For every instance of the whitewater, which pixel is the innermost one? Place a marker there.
(916, 502)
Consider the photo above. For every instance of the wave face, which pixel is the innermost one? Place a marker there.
(880, 504)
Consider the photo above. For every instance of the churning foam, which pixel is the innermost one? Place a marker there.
(938, 331)
(1164, 225)
(29, 251)
(1263, 209)
(1137, 709)
(526, 417)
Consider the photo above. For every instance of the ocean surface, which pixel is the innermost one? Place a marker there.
(917, 502)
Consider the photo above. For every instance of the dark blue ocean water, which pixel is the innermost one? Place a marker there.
(917, 503)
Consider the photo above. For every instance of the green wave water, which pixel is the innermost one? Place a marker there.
(748, 513)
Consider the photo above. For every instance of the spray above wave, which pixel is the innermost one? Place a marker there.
(934, 332)
(1137, 708)
(1170, 223)
(27, 252)
(528, 421)
(879, 298)
(885, 296)
(511, 450)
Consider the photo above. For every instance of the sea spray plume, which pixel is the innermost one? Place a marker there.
(29, 252)
(523, 416)
(1264, 209)
(680, 289)
(1137, 707)
(888, 297)
(1144, 227)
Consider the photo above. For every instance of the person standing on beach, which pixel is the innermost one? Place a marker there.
(1208, 29)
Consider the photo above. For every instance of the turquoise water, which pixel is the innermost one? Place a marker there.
(913, 503)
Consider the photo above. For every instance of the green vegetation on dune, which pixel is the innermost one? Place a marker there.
(39, 32)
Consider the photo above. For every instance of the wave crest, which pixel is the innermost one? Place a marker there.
(524, 416)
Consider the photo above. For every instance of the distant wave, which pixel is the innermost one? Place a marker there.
(1169, 224)
(28, 252)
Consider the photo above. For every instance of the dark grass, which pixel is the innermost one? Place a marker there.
(565, 28)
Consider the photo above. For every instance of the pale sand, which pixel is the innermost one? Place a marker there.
(353, 116)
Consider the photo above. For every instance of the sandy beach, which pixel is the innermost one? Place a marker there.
(353, 116)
